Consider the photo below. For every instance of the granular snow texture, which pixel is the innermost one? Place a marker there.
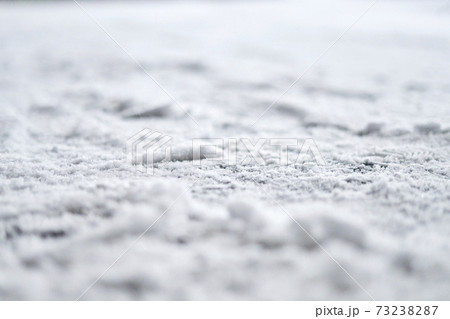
(376, 105)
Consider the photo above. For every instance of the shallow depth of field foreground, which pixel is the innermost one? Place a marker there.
(78, 221)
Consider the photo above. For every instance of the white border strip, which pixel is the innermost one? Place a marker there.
(208, 310)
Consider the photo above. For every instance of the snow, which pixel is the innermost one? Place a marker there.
(376, 105)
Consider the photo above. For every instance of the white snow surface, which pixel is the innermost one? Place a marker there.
(376, 104)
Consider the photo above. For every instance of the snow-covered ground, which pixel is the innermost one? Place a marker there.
(376, 105)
